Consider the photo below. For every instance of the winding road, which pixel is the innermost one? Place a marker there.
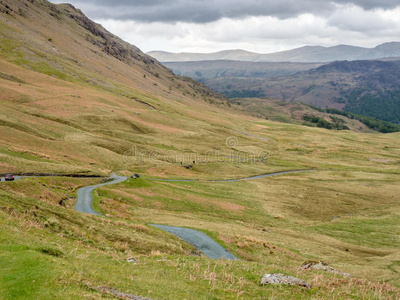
(83, 204)
(15, 178)
(198, 239)
(233, 180)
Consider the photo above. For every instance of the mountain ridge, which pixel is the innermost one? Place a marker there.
(305, 54)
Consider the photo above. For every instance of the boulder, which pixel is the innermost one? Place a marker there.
(284, 279)
(134, 176)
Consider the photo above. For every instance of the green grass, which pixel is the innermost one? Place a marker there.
(70, 254)
(83, 270)
(380, 230)
(42, 67)
(26, 273)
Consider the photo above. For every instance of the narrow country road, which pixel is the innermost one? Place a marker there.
(83, 204)
(15, 178)
(233, 180)
(200, 241)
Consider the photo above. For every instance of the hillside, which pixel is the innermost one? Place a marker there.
(65, 80)
(77, 100)
(362, 87)
(305, 54)
(297, 113)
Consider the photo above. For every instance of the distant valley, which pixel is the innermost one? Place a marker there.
(365, 87)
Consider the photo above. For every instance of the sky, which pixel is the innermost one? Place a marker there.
(262, 26)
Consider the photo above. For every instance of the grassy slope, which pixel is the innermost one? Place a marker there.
(55, 122)
(95, 120)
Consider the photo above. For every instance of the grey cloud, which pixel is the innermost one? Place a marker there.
(372, 4)
(202, 11)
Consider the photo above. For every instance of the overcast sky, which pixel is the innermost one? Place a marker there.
(262, 26)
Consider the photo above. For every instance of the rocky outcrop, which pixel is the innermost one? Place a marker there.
(321, 266)
(283, 279)
(109, 43)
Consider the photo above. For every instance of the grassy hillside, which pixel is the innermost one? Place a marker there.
(76, 99)
(69, 105)
(308, 115)
(298, 113)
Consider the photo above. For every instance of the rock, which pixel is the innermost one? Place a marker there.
(63, 202)
(131, 259)
(266, 230)
(134, 176)
(196, 253)
(321, 266)
(284, 279)
(104, 180)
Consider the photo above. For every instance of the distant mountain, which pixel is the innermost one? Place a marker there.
(241, 55)
(303, 54)
(363, 87)
(200, 70)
